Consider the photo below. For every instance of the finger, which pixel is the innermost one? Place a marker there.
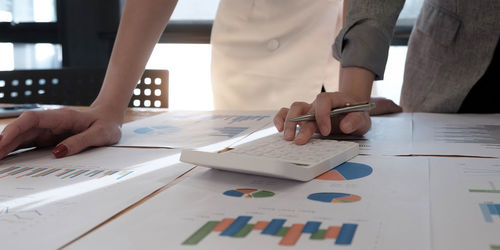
(296, 109)
(58, 121)
(23, 141)
(357, 123)
(98, 134)
(323, 104)
(307, 129)
(279, 119)
(15, 129)
(64, 120)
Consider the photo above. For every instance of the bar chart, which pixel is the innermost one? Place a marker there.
(229, 132)
(488, 135)
(490, 211)
(19, 214)
(157, 129)
(240, 227)
(231, 119)
(248, 193)
(61, 173)
(346, 171)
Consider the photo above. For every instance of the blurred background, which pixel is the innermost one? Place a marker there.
(52, 34)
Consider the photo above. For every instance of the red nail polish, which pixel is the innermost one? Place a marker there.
(60, 151)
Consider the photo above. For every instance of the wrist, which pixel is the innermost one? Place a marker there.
(356, 82)
(109, 111)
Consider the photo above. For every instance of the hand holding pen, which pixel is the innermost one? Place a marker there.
(319, 113)
(337, 111)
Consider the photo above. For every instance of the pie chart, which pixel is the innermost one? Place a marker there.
(334, 197)
(346, 171)
(249, 193)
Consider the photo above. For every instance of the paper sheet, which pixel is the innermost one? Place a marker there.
(191, 129)
(371, 203)
(465, 203)
(389, 135)
(456, 134)
(46, 202)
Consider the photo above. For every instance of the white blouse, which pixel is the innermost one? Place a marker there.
(267, 54)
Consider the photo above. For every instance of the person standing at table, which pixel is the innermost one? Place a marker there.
(452, 63)
(265, 54)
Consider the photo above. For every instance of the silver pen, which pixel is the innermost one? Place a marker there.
(347, 109)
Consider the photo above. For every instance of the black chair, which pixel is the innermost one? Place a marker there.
(77, 87)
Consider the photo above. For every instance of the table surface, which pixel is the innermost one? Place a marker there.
(132, 114)
(384, 162)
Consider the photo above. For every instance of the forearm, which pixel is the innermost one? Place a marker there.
(356, 82)
(365, 38)
(140, 28)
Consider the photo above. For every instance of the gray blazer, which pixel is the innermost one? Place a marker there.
(450, 47)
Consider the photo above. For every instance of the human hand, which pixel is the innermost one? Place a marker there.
(71, 130)
(384, 106)
(356, 123)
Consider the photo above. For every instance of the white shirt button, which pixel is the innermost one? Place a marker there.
(273, 44)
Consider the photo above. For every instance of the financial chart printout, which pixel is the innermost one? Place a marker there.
(191, 129)
(213, 209)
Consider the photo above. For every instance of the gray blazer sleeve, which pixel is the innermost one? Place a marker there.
(364, 40)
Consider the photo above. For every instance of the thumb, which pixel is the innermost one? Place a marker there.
(357, 123)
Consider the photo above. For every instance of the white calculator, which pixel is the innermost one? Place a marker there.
(276, 157)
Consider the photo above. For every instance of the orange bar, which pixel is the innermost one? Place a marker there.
(260, 225)
(8, 170)
(332, 232)
(13, 172)
(223, 224)
(35, 171)
(292, 236)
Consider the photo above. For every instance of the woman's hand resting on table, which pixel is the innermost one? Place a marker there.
(356, 123)
(71, 130)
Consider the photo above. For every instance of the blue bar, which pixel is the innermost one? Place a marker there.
(274, 226)
(20, 171)
(8, 170)
(497, 206)
(486, 212)
(311, 227)
(75, 175)
(346, 234)
(37, 171)
(236, 226)
(124, 175)
(493, 209)
(96, 173)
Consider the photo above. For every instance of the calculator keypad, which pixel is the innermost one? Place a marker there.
(315, 151)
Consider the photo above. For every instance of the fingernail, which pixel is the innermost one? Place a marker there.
(299, 139)
(324, 130)
(347, 127)
(286, 135)
(60, 151)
